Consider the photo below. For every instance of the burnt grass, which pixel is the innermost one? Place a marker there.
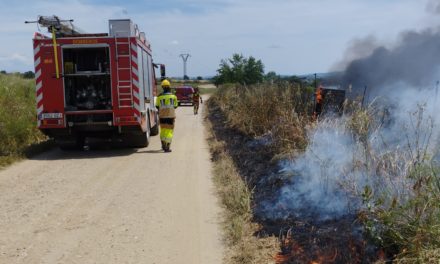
(303, 239)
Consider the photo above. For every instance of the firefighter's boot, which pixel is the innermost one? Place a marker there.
(167, 147)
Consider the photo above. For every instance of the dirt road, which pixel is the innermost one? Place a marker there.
(113, 206)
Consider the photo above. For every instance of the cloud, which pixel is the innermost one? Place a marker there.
(312, 34)
(16, 57)
(433, 6)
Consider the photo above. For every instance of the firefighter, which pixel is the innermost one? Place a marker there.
(166, 103)
(318, 103)
(196, 100)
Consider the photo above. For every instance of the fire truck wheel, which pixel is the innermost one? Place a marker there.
(155, 129)
(142, 140)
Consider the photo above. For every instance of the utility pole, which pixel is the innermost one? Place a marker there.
(316, 83)
(185, 57)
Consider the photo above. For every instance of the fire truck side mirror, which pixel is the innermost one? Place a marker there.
(162, 72)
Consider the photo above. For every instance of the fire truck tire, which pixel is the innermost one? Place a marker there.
(142, 140)
(155, 129)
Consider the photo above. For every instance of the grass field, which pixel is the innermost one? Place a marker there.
(18, 129)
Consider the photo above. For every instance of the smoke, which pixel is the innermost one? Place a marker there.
(433, 7)
(327, 180)
(315, 178)
(414, 61)
(357, 48)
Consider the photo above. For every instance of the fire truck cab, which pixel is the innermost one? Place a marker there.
(95, 85)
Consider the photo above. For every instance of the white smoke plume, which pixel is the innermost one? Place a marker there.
(327, 180)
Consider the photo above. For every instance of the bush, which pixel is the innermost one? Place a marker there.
(17, 115)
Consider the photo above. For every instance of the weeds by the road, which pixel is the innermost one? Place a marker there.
(235, 196)
(280, 113)
(402, 211)
(17, 117)
(389, 169)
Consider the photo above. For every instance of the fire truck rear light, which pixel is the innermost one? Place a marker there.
(126, 119)
(52, 122)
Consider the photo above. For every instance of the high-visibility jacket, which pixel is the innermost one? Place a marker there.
(196, 98)
(166, 103)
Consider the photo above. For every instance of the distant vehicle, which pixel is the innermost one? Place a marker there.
(184, 94)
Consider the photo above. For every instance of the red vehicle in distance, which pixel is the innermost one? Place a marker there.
(184, 94)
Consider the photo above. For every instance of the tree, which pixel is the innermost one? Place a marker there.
(28, 75)
(199, 78)
(271, 76)
(239, 69)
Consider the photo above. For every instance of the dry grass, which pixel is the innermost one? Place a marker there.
(17, 117)
(281, 112)
(236, 198)
(402, 200)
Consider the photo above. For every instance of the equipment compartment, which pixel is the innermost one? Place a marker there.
(87, 80)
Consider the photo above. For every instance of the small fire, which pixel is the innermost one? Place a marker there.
(330, 258)
(326, 243)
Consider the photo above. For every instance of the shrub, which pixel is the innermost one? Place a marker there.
(17, 115)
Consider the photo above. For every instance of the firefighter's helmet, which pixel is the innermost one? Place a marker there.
(165, 83)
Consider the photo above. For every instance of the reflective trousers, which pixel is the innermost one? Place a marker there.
(166, 129)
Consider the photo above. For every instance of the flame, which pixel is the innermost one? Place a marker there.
(280, 258)
(381, 255)
(329, 258)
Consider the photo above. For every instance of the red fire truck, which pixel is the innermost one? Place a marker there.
(99, 85)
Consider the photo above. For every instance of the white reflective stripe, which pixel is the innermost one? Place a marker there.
(167, 106)
(36, 50)
(40, 97)
(135, 72)
(37, 74)
(37, 62)
(40, 110)
(39, 123)
(136, 83)
(134, 59)
(133, 47)
(136, 106)
(136, 95)
(38, 87)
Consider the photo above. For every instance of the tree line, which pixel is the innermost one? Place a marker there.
(249, 70)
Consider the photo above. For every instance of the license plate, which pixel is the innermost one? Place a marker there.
(51, 115)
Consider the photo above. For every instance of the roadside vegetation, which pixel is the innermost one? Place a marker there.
(402, 213)
(236, 199)
(276, 113)
(18, 128)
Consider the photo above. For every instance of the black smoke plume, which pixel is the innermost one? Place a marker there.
(414, 61)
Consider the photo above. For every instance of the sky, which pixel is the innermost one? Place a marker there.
(290, 37)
